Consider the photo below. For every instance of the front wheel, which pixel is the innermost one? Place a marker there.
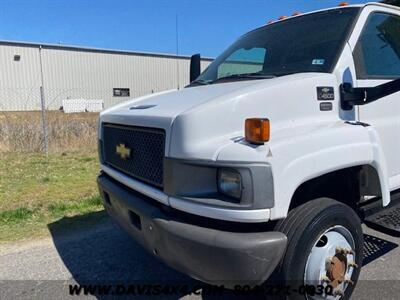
(324, 251)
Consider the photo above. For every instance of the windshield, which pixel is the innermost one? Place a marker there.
(309, 43)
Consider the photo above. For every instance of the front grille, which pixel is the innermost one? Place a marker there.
(141, 151)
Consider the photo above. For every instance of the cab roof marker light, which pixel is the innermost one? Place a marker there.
(297, 13)
(343, 4)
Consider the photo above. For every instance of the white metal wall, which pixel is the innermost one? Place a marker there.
(19, 81)
(75, 73)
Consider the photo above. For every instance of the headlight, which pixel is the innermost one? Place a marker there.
(230, 183)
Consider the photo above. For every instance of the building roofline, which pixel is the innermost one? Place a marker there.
(155, 54)
(94, 49)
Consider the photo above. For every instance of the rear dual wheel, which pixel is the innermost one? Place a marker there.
(324, 251)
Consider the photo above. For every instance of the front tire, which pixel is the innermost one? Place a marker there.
(325, 244)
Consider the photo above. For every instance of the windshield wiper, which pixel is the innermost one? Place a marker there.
(199, 81)
(229, 77)
(244, 76)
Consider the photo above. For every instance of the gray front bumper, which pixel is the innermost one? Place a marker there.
(207, 254)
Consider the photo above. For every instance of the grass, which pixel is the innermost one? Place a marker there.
(23, 131)
(36, 191)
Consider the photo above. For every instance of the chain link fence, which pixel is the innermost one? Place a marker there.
(54, 121)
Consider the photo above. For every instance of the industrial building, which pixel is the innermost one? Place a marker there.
(69, 72)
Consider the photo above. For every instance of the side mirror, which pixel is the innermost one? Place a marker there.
(195, 68)
(351, 96)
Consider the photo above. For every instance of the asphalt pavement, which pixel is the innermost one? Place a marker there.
(45, 269)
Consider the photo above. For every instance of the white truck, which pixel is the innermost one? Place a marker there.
(266, 165)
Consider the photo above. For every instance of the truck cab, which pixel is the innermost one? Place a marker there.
(267, 163)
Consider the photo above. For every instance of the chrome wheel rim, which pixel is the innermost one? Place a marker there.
(331, 262)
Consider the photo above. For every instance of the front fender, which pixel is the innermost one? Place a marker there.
(297, 159)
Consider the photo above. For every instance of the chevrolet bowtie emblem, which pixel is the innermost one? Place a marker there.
(123, 151)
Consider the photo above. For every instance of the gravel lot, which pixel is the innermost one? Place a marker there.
(44, 269)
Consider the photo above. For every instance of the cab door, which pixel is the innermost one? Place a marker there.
(377, 61)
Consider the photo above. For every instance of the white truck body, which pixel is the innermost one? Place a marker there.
(204, 125)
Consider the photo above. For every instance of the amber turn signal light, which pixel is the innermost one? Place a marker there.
(257, 131)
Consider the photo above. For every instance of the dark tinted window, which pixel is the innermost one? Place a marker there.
(309, 43)
(377, 53)
(121, 92)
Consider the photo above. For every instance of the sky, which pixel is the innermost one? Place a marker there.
(204, 26)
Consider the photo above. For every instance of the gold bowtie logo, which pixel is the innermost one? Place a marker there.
(123, 151)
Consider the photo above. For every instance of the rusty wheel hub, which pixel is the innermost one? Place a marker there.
(337, 270)
(331, 262)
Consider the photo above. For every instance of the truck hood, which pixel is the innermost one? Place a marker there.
(159, 110)
(200, 121)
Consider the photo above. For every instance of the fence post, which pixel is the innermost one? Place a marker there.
(43, 106)
(44, 125)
